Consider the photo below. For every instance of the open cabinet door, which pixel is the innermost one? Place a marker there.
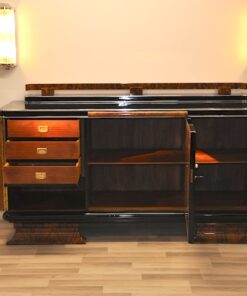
(190, 177)
(1, 167)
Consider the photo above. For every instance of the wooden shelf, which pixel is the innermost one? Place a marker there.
(221, 156)
(97, 157)
(221, 201)
(137, 201)
(133, 209)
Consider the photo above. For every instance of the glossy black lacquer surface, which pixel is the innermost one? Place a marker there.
(217, 192)
(135, 102)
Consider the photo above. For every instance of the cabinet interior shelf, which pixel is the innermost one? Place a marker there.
(135, 209)
(137, 157)
(137, 201)
(214, 156)
(221, 201)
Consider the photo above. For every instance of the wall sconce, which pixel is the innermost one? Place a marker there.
(7, 36)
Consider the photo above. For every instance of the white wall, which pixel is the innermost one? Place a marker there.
(127, 41)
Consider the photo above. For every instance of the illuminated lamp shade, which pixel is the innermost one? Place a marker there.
(7, 36)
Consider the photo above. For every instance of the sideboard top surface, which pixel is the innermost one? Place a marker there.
(80, 105)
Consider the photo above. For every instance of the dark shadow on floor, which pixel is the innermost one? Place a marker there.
(134, 232)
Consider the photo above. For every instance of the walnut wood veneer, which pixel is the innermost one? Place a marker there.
(42, 150)
(38, 174)
(26, 128)
(46, 233)
(135, 88)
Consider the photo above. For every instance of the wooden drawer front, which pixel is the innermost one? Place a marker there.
(41, 174)
(43, 128)
(42, 150)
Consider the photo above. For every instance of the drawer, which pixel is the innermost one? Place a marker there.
(42, 128)
(40, 150)
(66, 174)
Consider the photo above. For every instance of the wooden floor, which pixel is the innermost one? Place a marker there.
(126, 261)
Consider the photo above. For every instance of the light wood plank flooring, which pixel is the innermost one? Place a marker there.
(124, 260)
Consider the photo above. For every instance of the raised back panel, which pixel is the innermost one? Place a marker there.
(221, 133)
(137, 133)
(137, 178)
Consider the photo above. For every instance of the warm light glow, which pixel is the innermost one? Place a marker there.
(7, 36)
(242, 38)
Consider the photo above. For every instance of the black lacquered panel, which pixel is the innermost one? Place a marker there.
(136, 102)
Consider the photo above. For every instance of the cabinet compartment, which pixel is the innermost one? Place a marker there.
(137, 134)
(138, 141)
(47, 198)
(221, 132)
(137, 188)
(138, 164)
(221, 140)
(221, 187)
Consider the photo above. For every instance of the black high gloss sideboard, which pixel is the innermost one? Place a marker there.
(69, 160)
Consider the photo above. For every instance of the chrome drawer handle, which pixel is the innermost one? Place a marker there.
(40, 175)
(43, 128)
(41, 151)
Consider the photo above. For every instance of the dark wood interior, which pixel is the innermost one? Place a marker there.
(137, 157)
(137, 165)
(137, 133)
(222, 164)
(221, 133)
(51, 198)
(221, 201)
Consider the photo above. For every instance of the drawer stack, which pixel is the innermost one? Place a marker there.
(42, 152)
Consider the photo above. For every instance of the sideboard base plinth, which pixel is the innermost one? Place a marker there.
(46, 234)
(231, 233)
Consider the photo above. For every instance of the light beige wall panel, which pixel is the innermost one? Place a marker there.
(127, 41)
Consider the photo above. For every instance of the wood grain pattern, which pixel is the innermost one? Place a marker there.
(110, 114)
(224, 91)
(53, 174)
(137, 178)
(221, 177)
(35, 150)
(137, 157)
(220, 133)
(47, 91)
(43, 234)
(222, 233)
(136, 91)
(135, 88)
(123, 260)
(33, 128)
(136, 133)
(187, 167)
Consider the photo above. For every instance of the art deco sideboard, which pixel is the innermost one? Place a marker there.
(69, 160)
